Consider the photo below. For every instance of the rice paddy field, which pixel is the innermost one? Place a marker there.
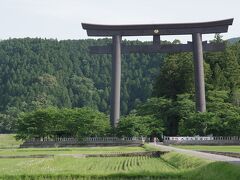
(171, 166)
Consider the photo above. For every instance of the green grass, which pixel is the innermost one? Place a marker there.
(210, 148)
(149, 147)
(171, 166)
(8, 141)
(168, 165)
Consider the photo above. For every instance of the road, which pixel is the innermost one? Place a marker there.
(213, 157)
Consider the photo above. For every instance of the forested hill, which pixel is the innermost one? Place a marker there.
(234, 40)
(40, 72)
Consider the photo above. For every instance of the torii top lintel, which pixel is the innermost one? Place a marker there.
(158, 29)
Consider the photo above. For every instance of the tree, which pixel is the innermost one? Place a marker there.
(197, 124)
(221, 119)
(176, 76)
(5, 124)
(136, 126)
(91, 123)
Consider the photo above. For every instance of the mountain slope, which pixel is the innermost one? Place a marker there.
(39, 72)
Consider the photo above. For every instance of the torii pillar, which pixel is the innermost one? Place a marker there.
(116, 80)
(199, 72)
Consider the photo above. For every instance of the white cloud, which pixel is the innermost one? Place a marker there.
(62, 18)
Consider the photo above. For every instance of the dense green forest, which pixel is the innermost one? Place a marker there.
(37, 73)
(157, 90)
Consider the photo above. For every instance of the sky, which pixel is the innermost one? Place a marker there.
(61, 19)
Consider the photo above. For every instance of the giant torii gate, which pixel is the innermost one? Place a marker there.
(155, 30)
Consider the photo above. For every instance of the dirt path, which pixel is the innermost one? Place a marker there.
(204, 155)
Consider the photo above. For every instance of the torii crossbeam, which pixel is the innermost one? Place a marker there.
(156, 30)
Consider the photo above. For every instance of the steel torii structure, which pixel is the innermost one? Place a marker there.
(156, 30)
